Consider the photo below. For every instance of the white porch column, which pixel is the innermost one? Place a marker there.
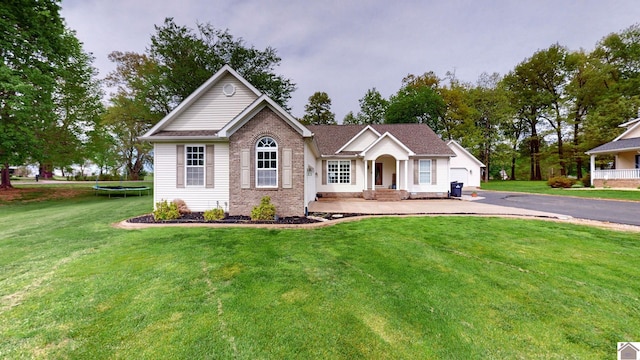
(592, 168)
(365, 175)
(397, 174)
(406, 175)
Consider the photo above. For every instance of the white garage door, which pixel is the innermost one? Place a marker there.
(460, 175)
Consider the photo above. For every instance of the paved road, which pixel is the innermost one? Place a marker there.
(621, 212)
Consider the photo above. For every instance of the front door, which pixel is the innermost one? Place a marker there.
(637, 161)
(378, 174)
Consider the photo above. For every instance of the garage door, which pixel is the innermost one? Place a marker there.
(460, 175)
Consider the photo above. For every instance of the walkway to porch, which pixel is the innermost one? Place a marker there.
(444, 206)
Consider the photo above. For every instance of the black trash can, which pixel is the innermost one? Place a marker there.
(456, 189)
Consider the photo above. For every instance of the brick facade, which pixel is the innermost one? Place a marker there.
(288, 202)
(617, 183)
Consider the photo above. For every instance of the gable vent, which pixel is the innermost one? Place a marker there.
(229, 89)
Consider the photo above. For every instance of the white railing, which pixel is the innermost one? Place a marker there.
(616, 174)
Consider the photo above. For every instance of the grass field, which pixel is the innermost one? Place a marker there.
(541, 187)
(74, 287)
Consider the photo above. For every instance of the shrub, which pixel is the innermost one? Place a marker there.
(586, 180)
(182, 206)
(214, 214)
(265, 211)
(166, 211)
(560, 182)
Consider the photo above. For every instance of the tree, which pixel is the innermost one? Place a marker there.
(318, 110)
(350, 119)
(77, 109)
(137, 106)
(372, 108)
(416, 102)
(35, 49)
(187, 58)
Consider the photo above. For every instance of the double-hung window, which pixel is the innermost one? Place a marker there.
(425, 171)
(339, 171)
(267, 163)
(194, 165)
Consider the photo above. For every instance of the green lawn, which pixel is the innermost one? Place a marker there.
(541, 187)
(72, 286)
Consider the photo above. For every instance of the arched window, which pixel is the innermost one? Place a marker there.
(266, 163)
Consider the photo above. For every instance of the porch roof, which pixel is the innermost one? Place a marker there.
(616, 146)
(419, 138)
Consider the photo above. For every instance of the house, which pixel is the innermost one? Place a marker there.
(227, 145)
(627, 351)
(465, 168)
(626, 150)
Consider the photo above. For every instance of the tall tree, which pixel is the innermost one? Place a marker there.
(137, 105)
(417, 102)
(318, 110)
(187, 58)
(372, 107)
(34, 47)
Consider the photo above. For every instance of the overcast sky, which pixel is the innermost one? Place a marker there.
(346, 47)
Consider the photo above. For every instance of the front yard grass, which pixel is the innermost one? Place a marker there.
(541, 187)
(72, 286)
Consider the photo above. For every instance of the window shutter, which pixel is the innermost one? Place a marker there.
(287, 176)
(353, 172)
(434, 171)
(416, 172)
(179, 166)
(245, 168)
(324, 172)
(209, 167)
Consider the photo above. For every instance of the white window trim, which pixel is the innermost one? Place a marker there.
(348, 172)
(420, 172)
(187, 166)
(257, 150)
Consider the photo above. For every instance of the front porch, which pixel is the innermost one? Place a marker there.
(623, 178)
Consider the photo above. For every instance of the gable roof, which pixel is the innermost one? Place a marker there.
(156, 131)
(418, 138)
(616, 146)
(631, 126)
(453, 143)
(248, 113)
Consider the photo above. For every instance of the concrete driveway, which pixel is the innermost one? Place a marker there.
(465, 205)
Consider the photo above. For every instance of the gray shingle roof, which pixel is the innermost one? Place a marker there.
(614, 146)
(417, 137)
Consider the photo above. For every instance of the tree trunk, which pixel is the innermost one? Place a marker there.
(5, 182)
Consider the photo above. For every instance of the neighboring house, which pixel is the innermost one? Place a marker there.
(628, 352)
(227, 145)
(465, 168)
(626, 149)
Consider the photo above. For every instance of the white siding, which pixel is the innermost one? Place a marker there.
(464, 161)
(213, 110)
(442, 181)
(357, 187)
(362, 142)
(387, 146)
(196, 198)
(632, 134)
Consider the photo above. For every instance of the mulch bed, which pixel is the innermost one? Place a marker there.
(198, 217)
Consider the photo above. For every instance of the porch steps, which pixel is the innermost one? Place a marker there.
(388, 195)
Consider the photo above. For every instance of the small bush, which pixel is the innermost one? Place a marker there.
(182, 206)
(586, 180)
(214, 214)
(561, 182)
(265, 211)
(166, 211)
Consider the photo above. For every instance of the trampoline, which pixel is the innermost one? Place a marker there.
(120, 190)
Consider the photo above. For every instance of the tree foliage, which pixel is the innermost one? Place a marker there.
(417, 102)
(47, 92)
(186, 58)
(318, 110)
